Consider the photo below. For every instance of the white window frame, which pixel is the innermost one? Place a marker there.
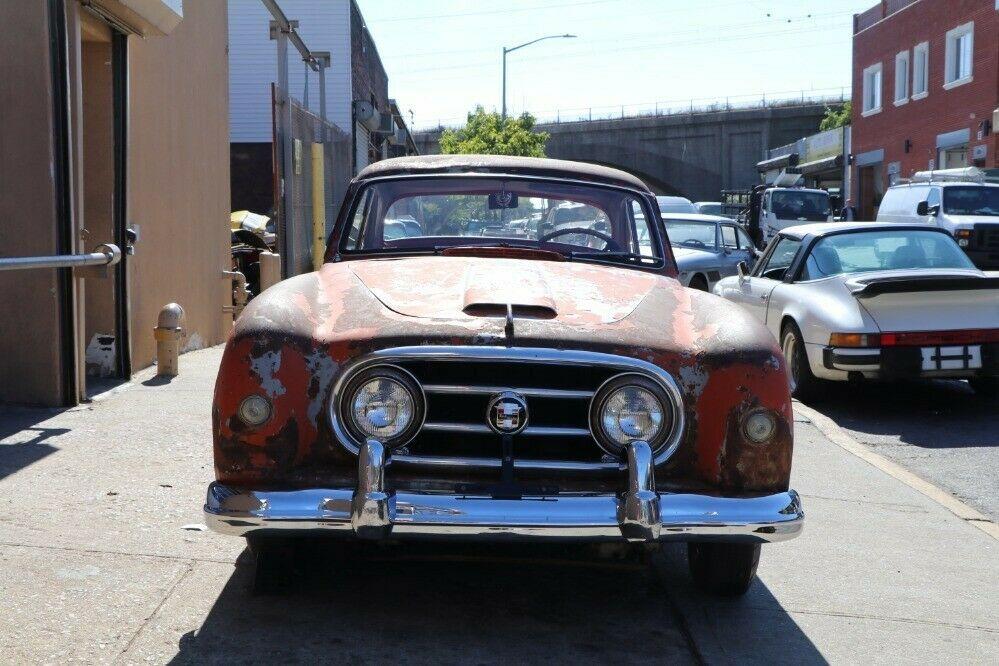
(869, 108)
(902, 78)
(951, 57)
(921, 86)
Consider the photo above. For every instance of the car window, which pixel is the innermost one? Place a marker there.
(728, 237)
(428, 214)
(745, 242)
(883, 250)
(698, 235)
(780, 259)
(971, 200)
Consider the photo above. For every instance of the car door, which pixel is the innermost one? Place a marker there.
(756, 289)
(734, 250)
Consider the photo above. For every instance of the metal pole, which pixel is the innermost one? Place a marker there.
(103, 255)
(504, 84)
(285, 231)
(323, 58)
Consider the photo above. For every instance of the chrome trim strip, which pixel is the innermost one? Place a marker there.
(537, 431)
(452, 389)
(536, 355)
(683, 517)
(520, 463)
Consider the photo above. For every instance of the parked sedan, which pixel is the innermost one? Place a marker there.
(874, 300)
(502, 387)
(707, 247)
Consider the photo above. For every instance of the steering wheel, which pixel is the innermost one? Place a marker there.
(694, 241)
(611, 244)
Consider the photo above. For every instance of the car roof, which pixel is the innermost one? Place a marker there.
(819, 229)
(420, 165)
(672, 199)
(696, 217)
(944, 183)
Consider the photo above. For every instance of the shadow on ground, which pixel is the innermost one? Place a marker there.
(958, 417)
(477, 604)
(22, 440)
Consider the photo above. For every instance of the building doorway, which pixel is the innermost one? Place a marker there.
(955, 157)
(870, 190)
(103, 348)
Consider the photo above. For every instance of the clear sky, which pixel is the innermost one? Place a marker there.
(443, 56)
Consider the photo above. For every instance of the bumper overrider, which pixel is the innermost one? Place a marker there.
(372, 510)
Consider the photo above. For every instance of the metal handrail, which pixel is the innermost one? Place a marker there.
(103, 255)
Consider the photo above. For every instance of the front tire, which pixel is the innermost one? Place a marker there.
(802, 383)
(723, 569)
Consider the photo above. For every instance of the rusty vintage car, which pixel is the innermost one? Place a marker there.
(483, 376)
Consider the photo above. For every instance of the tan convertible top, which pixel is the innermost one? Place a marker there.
(500, 164)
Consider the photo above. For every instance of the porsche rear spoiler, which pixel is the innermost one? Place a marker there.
(901, 285)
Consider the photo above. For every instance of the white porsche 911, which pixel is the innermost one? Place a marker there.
(874, 300)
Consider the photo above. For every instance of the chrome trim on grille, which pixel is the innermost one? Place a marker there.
(537, 431)
(489, 390)
(531, 355)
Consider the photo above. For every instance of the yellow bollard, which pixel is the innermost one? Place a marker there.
(318, 207)
(169, 332)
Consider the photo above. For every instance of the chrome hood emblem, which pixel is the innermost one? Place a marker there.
(507, 413)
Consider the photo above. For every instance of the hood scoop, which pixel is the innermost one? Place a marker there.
(521, 295)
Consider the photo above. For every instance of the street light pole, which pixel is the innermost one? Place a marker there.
(514, 48)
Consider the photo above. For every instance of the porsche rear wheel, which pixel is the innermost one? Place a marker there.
(724, 569)
(699, 283)
(799, 373)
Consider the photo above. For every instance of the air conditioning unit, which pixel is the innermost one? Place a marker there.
(386, 126)
(397, 138)
(366, 114)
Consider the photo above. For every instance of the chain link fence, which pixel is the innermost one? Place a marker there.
(295, 216)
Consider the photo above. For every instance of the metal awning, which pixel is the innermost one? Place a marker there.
(140, 17)
(824, 164)
(779, 162)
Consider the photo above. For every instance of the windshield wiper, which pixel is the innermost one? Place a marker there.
(610, 255)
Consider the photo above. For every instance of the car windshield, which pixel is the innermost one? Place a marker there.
(971, 200)
(691, 234)
(883, 250)
(801, 205)
(433, 214)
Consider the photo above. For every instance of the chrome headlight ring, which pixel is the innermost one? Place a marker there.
(632, 406)
(378, 397)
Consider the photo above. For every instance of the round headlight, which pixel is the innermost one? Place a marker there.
(631, 408)
(760, 426)
(255, 410)
(383, 403)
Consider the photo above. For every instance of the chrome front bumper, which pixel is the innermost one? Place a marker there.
(373, 511)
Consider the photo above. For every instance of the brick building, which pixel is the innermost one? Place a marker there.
(925, 90)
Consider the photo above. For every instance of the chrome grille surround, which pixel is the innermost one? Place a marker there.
(519, 355)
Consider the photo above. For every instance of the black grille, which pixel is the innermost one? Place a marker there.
(458, 393)
(988, 236)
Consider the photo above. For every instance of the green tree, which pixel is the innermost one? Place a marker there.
(488, 134)
(837, 117)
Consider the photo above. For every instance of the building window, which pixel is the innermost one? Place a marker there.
(959, 51)
(920, 70)
(901, 78)
(872, 90)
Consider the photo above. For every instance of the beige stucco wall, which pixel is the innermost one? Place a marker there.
(30, 321)
(178, 177)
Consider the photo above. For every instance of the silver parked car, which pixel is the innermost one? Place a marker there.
(707, 247)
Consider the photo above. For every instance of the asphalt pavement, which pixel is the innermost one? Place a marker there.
(103, 558)
(940, 430)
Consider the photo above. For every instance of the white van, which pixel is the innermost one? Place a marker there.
(957, 200)
(782, 207)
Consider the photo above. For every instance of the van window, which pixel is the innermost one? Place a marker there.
(933, 197)
(971, 200)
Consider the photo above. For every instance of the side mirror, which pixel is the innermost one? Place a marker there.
(924, 208)
(743, 270)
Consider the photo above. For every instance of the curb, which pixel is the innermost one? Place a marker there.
(838, 436)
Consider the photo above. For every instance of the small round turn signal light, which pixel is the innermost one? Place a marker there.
(255, 410)
(760, 427)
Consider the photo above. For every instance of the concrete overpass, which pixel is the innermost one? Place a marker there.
(695, 155)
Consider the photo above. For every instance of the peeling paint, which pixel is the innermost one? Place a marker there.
(265, 366)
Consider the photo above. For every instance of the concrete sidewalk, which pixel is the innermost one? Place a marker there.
(101, 561)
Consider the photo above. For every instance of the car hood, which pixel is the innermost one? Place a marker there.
(455, 288)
